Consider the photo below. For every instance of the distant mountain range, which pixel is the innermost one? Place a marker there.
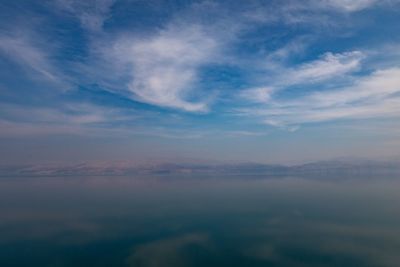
(351, 167)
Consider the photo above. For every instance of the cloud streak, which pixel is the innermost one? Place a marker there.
(20, 49)
(351, 5)
(374, 96)
(328, 66)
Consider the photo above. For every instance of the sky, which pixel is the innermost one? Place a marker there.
(248, 81)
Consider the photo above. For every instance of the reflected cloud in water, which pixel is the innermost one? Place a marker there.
(168, 252)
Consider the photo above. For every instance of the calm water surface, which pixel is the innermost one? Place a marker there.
(199, 221)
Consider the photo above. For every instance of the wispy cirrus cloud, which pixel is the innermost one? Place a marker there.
(327, 67)
(164, 66)
(92, 14)
(257, 94)
(32, 56)
(351, 5)
(373, 96)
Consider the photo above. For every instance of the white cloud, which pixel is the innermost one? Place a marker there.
(351, 5)
(258, 94)
(374, 96)
(354, 5)
(377, 86)
(165, 65)
(91, 13)
(328, 66)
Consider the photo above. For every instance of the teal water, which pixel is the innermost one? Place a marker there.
(200, 221)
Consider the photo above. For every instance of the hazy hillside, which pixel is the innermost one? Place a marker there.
(127, 168)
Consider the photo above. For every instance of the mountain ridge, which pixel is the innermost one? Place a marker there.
(130, 168)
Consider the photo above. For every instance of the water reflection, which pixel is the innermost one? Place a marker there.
(199, 221)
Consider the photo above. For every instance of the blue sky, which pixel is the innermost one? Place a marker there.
(263, 81)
